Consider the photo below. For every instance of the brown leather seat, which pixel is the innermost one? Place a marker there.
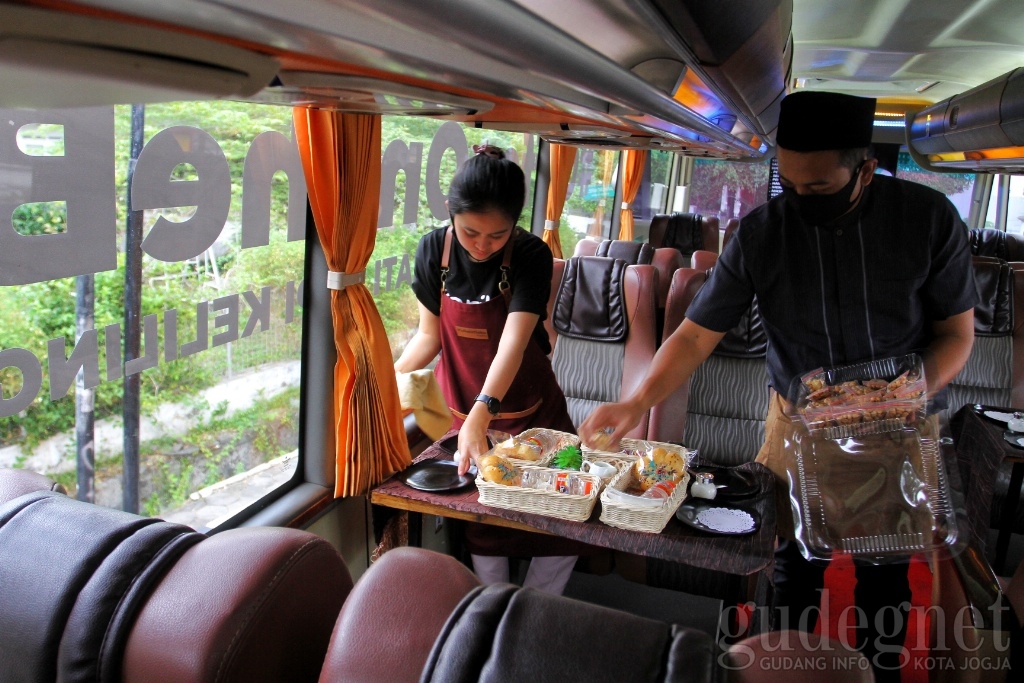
(703, 259)
(394, 614)
(94, 594)
(721, 410)
(686, 232)
(16, 482)
(605, 317)
(586, 247)
(557, 271)
(993, 242)
(731, 226)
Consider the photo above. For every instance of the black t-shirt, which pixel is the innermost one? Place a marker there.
(866, 286)
(471, 281)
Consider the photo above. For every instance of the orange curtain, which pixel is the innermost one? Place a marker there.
(633, 173)
(341, 160)
(561, 159)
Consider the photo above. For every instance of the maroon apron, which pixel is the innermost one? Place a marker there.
(469, 342)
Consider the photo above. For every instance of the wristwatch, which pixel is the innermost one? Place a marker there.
(493, 404)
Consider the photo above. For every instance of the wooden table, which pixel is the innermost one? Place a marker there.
(980, 449)
(748, 556)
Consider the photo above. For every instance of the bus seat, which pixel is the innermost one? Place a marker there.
(703, 259)
(769, 657)
(666, 261)
(244, 605)
(557, 272)
(721, 410)
(586, 247)
(994, 242)
(503, 633)
(94, 594)
(633, 253)
(392, 617)
(17, 482)
(731, 226)
(994, 373)
(605, 318)
(686, 232)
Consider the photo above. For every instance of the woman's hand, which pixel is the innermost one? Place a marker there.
(605, 427)
(473, 436)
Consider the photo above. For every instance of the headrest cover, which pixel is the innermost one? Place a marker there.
(633, 253)
(812, 121)
(684, 233)
(591, 302)
(747, 339)
(993, 316)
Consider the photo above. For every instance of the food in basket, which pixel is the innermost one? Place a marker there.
(520, 450)
(568, 458)
(498, 470)
(658, 464)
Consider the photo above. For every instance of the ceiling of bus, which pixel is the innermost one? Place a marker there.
(916, 50)
(703, 77)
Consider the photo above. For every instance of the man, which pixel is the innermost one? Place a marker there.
(846, 267)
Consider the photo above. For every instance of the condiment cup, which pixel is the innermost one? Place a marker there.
(601, 469)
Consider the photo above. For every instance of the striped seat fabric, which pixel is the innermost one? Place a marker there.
(721, 410)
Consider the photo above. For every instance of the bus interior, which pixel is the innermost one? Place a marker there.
(185, 362)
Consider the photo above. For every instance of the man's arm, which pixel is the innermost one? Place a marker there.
(948, 352)
(672, 365)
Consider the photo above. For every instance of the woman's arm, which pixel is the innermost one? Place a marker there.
(425, 344)
(515, 336)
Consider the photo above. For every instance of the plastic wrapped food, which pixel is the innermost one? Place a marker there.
(865, 398)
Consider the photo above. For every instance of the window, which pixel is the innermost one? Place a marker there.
(1015, 208)
(726, 189)
(590, 197)
(957, 186)
(221, 197)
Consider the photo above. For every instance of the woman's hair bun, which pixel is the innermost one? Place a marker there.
(489, 150)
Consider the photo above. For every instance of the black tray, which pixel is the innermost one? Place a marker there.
(688, 511)
(436, 476)
(982, 410)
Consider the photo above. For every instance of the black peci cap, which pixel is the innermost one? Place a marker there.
(811, 121)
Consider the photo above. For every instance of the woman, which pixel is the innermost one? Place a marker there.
(483, 286)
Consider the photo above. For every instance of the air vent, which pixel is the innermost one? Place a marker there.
(365, 95)
(86, 61)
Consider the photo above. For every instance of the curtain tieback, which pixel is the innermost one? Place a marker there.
(551, 225)
(625, 206)
(341, 280)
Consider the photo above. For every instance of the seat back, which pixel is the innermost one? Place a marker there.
(994, 372)
(557, 271)
(93, 594)
(666, 261)
(505, 633)
(15, 483)
(703, 259)
(633, 253)
(993, 242)
(686, 232)
(731, 226)
(389, 623)
(721, 409)
(586, 247)
(605, 317)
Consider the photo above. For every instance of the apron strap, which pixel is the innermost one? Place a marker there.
(506, 260)
(505, 416)
(446, 251)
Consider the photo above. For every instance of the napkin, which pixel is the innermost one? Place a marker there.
(419, 392)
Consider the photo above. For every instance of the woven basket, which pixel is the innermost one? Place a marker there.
(626, 446)
(562, 439)
(639, 517)
(540, 502)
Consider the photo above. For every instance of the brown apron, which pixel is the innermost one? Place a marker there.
(469, 342)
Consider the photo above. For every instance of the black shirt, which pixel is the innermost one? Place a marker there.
(866, 286)
(471, 281)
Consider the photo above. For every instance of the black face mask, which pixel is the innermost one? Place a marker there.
(817, 209)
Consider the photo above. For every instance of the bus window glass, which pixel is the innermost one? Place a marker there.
(589, 198)
(419, 159)
(652, 196)
(958, 187)
(726, 189)
(1015, 208)
(221, 197)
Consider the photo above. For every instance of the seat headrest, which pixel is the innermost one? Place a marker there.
(74, 577)
(591, 301)
(993, 315)
(501, 628)
(993, 242)
(633, 253)
(16, 483)
(683, 231)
